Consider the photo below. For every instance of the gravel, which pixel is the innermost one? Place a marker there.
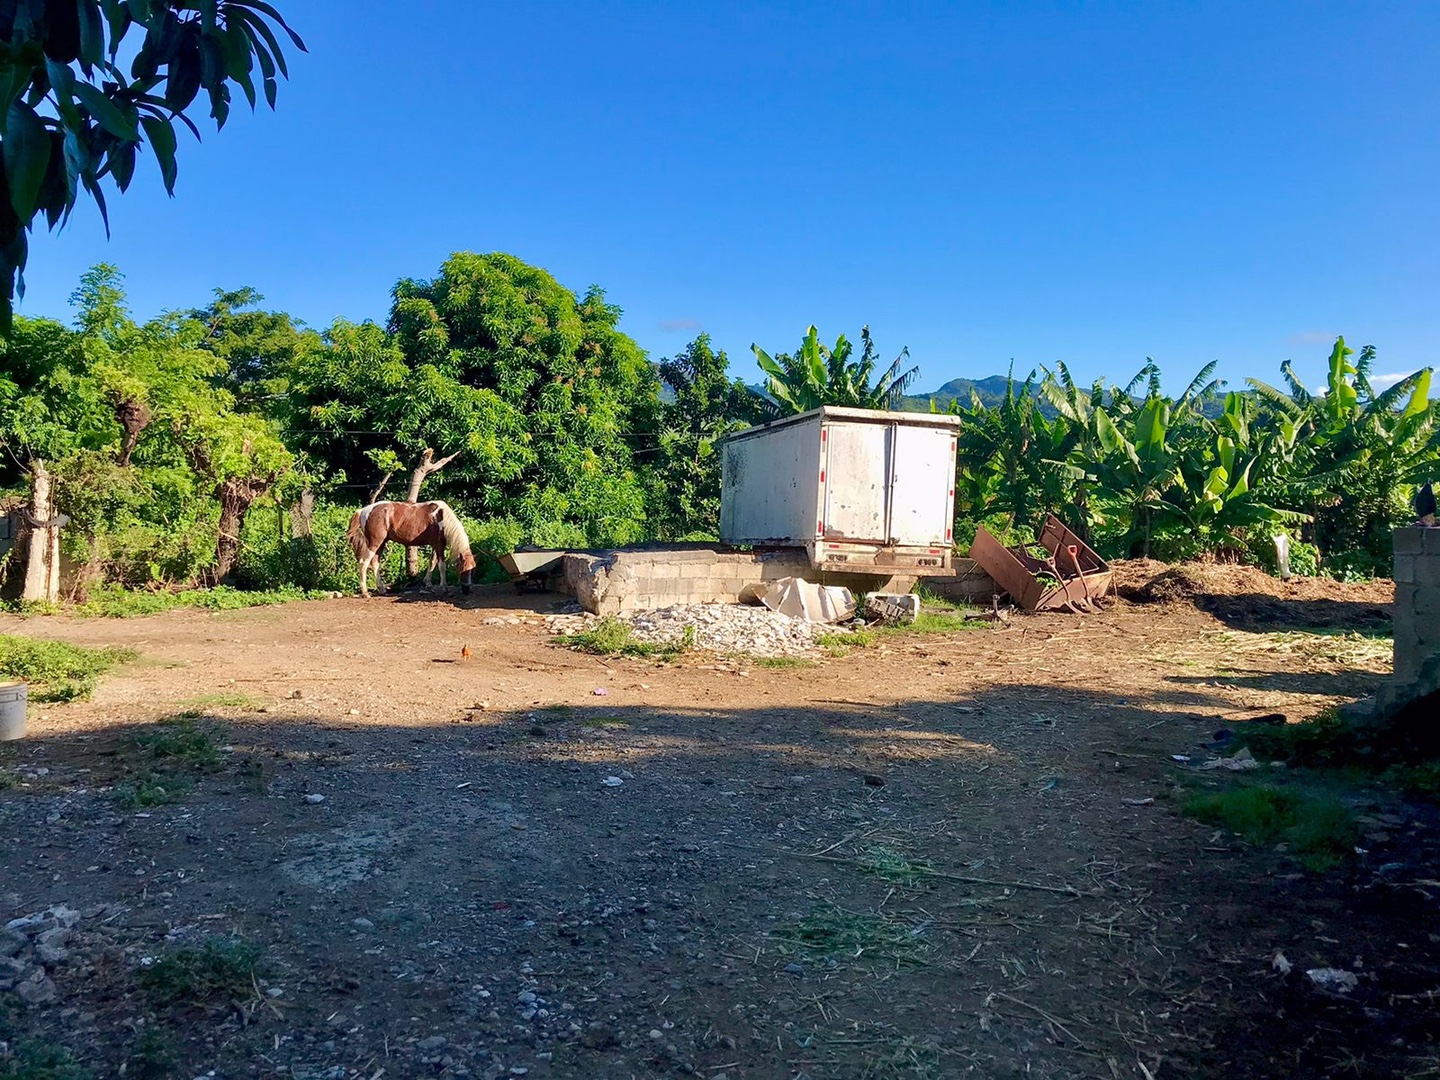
(722, 628)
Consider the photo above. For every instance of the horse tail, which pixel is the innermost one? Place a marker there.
(456, 539)
(356, 532)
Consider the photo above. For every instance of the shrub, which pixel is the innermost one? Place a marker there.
(56, 670)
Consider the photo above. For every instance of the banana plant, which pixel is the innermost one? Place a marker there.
(1011, 459)
(1216, 494)
(819, 375)
(1359, 455)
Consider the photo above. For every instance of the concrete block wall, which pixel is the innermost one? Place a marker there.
(1417, 600)
(619, 581)
(967, 584)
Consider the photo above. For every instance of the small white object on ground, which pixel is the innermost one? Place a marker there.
(314, 800)
(612, 781)
(1336, 980)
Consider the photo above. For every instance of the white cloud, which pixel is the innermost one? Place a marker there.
(1384, 382)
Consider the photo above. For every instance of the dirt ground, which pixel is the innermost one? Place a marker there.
(938, 857)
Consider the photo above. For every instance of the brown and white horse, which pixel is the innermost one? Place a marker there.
(430, 524)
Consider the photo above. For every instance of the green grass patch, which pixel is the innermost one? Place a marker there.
(56, 670)
(232, 699)
(840, 642)
(33, 1059)
(116, 602)
(615, 637)
(605, 722)
(893, 866)
(1320, 742)
(834, 932)
(163, 763)
(781, 661)
(932, 622)
(219, 970)
(1318, 830)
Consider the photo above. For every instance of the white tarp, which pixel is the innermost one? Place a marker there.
(801, 599)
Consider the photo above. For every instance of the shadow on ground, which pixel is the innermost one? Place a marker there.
(970, 886)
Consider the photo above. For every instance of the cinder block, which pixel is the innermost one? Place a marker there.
(1409, 541)
(1405, 569)
(1426, 569)
(1407, 663)
(1431, 540)
(694, 571)
(1423, 601)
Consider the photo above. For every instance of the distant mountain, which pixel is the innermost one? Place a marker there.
(991, 390)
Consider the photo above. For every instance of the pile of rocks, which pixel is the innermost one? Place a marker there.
(721, 628)
(31, 947)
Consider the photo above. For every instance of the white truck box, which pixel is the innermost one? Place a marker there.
(862, 491)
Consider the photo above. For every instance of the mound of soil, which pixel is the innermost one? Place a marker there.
(1245, 597)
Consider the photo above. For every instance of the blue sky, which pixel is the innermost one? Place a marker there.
(1093, 183)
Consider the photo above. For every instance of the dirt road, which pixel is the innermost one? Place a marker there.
(934, 858)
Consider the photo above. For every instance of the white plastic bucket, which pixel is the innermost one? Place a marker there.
(12, 711)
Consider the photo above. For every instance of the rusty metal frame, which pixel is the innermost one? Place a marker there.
(1083, 575)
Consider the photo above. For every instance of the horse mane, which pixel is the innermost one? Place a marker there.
(456, 539)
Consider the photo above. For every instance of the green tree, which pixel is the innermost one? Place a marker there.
(586, 393)
(817, 375)
(259, 347)
(148, 451)
(705, 405)
(69, 116)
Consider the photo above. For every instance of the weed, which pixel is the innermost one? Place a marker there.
(954, 618)
(605, 722)
(112, 601)
(891, 865)
(149, 788)
(782, 661)
(833, 932)
(177, 740)
(56, 670)
(31, 1059)
(165, 762)
(615, 637)
(1421, 781)
(155, 1057)
(222, 968)
(1320, 741)
(224, 700)
(1318, 830)
(840, 642)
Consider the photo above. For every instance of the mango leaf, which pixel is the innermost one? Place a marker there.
(27, 156)
(162, 142)
(105, 112)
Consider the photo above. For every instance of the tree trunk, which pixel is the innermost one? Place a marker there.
(380, 488)
(38, 576)
(236, 496)
(427, 465)
(134, 417)
(302, 514)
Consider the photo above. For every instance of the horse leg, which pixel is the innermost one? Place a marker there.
(375, 559)
(363, 562)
